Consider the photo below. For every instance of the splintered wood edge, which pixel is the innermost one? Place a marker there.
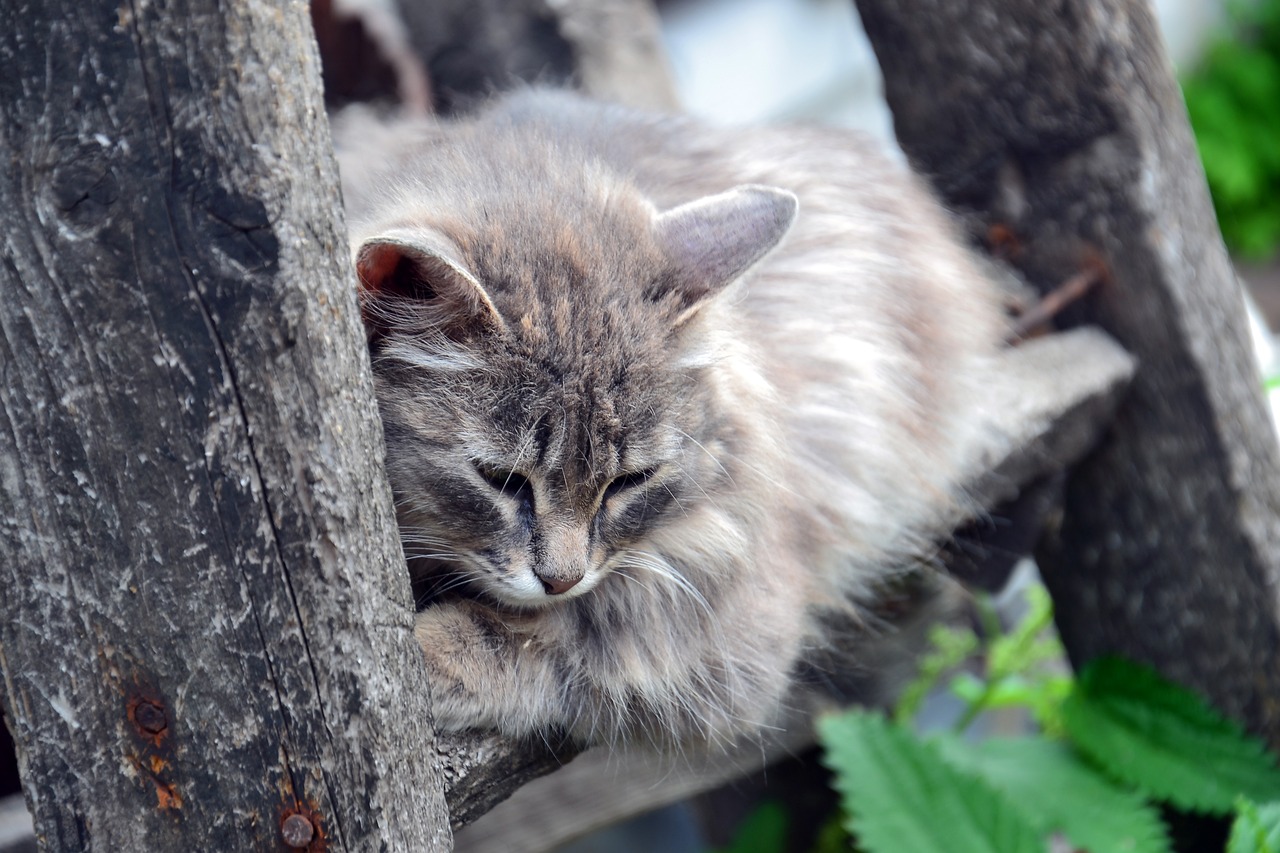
(1049, 401)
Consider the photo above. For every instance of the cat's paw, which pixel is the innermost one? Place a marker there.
(463, 652)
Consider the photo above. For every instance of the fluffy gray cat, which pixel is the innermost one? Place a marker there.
(656, 398)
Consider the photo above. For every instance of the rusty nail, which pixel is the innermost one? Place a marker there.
(297, 831)
(150, 717)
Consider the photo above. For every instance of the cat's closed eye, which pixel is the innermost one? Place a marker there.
(628, 482)
(505, 481)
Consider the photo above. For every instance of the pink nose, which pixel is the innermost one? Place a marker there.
(557, 586)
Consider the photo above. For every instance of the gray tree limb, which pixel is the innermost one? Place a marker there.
(1059, 129)
(205, 630)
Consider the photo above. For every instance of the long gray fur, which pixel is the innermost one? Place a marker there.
(637, 370)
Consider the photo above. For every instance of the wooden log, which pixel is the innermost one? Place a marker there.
(1059, 130)
(205, 626)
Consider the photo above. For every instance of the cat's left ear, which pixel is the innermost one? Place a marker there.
(414, 279)
(714, 240)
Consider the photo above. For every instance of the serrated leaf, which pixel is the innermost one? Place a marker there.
(900, 795)
(1256, 829)
(1165, 740)
(1056, 791)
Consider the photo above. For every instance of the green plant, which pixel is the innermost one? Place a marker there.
(1233, 99)
(1256, 828)
(1114, 743)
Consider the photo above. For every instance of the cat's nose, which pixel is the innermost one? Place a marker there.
(558, 586)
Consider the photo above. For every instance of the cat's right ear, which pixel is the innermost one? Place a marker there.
(714, 240)
(412, 281)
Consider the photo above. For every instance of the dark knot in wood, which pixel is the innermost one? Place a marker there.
(150, 717)
(83, 187)
(297, 831)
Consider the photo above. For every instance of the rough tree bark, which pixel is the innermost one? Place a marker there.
(205, 626)
(1058, 127)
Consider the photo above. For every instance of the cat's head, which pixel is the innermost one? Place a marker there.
(547, 389)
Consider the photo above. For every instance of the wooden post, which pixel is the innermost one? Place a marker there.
(1059, 129)
(205, 624)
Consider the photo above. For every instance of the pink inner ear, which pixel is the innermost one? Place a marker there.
(376, 264)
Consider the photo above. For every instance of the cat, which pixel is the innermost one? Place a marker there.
(658, 398)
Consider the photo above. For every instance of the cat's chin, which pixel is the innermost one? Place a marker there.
(530, 598)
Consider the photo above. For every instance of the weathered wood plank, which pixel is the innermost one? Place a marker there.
(205, 623)
(1059, 129)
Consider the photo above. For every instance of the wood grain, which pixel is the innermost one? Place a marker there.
(205, 625)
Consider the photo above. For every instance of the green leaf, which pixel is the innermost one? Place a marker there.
(950, 647)
(1028, 644)
(1233, 100)
(763, 831)
(900, 795)
(1253, 79)
(1256, 829)
(1165, 740)
(1056, 791)
(1233, 171)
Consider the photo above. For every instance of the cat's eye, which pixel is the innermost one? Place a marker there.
(626, 482)
(507, 482)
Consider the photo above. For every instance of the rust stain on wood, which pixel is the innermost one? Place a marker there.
(149, 718)
(302, 828)
(168, 796)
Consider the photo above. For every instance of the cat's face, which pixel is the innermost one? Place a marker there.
(531, 483)
(545, 414)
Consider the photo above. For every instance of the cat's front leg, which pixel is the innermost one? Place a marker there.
(487, 671)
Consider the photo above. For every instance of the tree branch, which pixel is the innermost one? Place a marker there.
(1061, 128)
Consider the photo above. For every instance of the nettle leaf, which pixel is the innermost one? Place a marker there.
(900, 795)
(1165, 740)
(1256, 829)
(1056, 791)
